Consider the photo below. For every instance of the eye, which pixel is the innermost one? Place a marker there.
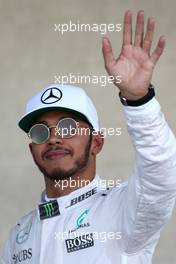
(39, 133)
(66, 126)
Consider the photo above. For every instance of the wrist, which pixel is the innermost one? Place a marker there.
(138, 101)
(133, 97)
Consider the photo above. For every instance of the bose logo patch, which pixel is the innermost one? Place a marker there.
(83, 197)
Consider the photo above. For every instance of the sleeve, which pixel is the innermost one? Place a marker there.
(151, 192)
(2, 261)
(6, 257)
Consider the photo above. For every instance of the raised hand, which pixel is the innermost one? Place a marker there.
(135, 63)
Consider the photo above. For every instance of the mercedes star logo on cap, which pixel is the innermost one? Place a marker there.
(51, 95)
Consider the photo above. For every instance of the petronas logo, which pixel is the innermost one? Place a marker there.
(81, 217)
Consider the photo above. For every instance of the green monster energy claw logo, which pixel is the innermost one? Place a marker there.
(49, 209)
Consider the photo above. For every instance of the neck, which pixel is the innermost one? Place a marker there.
(60, 188)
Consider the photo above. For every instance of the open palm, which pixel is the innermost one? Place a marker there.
(135, 64)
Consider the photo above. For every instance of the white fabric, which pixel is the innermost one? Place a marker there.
(137, 209)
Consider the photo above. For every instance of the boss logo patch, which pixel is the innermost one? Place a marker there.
(78, 243)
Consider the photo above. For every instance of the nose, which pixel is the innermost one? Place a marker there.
(54, 137)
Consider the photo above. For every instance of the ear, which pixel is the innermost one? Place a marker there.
(97, 143)
(30, 147)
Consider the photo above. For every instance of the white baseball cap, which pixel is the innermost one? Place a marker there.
(60, 97)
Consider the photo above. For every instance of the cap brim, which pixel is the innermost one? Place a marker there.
(28, 120)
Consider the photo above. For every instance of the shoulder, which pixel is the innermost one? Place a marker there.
(24, 224)
(114, 188)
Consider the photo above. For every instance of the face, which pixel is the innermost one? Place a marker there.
(60, 158)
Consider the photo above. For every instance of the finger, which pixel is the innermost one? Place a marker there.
(159, 50)
(139, 32)
(127, 30)
(147, 43)
(107, 52)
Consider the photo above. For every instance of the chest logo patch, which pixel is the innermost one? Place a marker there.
(78, 243)
(23, 235)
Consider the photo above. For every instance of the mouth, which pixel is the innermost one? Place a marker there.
(56, 154)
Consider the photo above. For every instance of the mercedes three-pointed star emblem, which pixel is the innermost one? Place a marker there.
(51, 95)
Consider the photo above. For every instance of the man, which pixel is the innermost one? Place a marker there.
(67, 225)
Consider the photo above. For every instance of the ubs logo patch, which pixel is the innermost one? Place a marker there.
(78, 243)
(22, 255)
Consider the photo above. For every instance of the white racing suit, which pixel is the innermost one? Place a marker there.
(98, 225)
